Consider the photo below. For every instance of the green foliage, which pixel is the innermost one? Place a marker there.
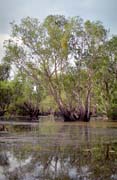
(112, 112)
(4, 71)
(6, 92)
(71, 63)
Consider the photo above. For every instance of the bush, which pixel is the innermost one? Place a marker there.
(112, 113)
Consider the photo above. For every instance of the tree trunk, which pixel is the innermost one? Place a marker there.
(75, 115)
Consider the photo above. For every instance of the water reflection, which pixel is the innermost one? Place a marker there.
(58, 151)
(62, 163)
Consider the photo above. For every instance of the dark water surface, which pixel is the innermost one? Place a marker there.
(52, 150)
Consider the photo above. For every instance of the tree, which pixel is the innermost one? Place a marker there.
(61, 56)
(5, 89)
(4, 71)
(5, 96)
(24, 100)
(107, 78)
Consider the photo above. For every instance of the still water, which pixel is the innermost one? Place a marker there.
(51, 150)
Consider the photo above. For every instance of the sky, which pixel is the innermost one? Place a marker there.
(10, 10)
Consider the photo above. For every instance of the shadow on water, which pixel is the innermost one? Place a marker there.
(59, 151)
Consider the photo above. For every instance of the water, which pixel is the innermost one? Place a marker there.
(52, 150)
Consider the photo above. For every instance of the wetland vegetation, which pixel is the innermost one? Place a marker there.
(63, 66)
(58, 101)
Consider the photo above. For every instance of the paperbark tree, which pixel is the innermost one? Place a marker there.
(45, 51)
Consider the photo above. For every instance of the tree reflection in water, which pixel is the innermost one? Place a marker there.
(60, 153)
(60, 163)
